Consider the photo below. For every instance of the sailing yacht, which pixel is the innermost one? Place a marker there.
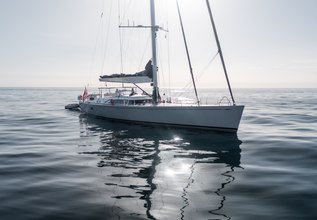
(134, 104)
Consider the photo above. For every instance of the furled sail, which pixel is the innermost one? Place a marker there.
(144, 76)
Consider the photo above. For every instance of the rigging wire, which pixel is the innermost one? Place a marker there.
(147, 44)
(106, 38)
(168, 64)
(166, 10)
(207, 66)
(129, 50)
(201, 73)
(160, 76)
(125, 43)
(126, 9)
(164, 69)
(120, 38)
(93, 57)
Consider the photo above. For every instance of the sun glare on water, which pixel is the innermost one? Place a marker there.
(177, 170)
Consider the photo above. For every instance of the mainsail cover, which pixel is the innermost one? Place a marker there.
(144, 76)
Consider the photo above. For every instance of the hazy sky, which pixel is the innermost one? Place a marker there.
(266, 43)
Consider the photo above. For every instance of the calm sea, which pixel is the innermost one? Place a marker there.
(61, 164)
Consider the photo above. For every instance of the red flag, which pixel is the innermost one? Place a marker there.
(85, 94)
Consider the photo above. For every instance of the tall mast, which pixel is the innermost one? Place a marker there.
(154, 29)
(219, 50)
(187, 52)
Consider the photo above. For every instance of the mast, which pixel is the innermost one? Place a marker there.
(219, 50)
(187, 52)
(154, 29)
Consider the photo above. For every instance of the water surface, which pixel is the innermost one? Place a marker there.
(60, 164)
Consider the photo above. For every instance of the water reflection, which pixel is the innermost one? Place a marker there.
(158, 173)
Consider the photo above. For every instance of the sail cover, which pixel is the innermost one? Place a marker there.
(124, 78)
(144, 76)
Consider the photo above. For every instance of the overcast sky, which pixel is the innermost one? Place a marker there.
(266, 43)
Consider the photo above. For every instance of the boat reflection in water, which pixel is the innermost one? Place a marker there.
(157, 173)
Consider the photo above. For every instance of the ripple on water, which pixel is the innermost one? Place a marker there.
(57, 164)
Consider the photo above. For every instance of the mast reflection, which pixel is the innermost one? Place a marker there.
(156, 173)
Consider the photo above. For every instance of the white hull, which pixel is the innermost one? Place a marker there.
(203, 117)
